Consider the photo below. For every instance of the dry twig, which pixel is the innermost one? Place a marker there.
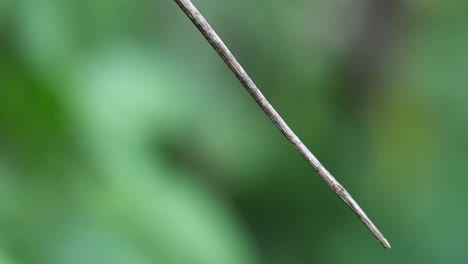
(200, 22)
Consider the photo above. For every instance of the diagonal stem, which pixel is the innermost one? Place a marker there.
(200, 22)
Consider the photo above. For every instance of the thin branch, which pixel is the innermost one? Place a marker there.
(200, 22)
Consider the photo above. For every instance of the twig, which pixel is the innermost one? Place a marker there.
(200, 22)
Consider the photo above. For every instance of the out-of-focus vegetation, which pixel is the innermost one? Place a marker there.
(124, 138)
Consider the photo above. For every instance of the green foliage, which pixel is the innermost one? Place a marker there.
(124, 138)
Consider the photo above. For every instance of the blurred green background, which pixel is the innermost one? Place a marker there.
(125, 139)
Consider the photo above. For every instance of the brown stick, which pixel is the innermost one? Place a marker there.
(200, 22)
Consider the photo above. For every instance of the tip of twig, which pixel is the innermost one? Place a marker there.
(385, 244)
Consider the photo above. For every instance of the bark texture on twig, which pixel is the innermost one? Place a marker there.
(200, 22)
